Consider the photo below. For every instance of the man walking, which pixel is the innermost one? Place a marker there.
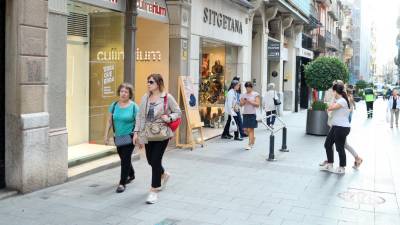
(369, 100)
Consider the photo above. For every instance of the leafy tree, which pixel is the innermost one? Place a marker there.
(321, 73)
(361, 84)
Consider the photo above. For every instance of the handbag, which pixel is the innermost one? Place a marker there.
(174, 124)
(232, 126)
(156, 131)
(276, 100)
(123, 140)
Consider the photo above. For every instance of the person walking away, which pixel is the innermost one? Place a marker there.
(369, 100)
(357, 159)
(158, 110)
(394, 107)
(340, 129)
(121, 118)
(250, 102)
(239, 115)
(269, 105)
(231, 108)
(388, 93)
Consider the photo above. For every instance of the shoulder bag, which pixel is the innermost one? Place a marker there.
(124, 140)
(276, 100)
(173, 124)
(155, 131)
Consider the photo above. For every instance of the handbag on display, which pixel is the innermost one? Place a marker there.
(277, 101)
(174, 124)
(123, 140)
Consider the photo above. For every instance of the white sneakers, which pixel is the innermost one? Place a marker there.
(325, 166)
(152, 197)
(165, 180)
(248, 147)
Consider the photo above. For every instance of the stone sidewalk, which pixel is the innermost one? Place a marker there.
(224, 184)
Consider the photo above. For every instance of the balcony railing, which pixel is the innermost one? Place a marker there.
(318, 43)
(332, 41)
(307, 42)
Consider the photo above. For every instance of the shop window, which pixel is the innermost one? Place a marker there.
(217, 68)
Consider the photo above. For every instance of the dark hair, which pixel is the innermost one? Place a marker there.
(158, 79)
(126, 86)
(236, 78)
(248, 84)
(233, 84)
(339, 88)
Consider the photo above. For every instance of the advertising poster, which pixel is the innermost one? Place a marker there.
(109, 84)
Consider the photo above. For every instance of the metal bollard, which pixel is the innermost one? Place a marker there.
(284, 137)
(271, 156)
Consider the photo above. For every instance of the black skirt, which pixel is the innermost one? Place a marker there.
(250, 121)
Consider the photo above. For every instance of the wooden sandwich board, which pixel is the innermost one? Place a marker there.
(191, 111)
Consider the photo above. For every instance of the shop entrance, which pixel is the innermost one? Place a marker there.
(2, 93)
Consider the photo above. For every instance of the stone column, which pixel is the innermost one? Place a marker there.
(179, 42)
(27, 119)
(57, 161)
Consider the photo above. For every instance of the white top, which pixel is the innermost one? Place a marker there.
(340, 117)
(268, 100)
(249, 108)
(230, 101)
(390, 103)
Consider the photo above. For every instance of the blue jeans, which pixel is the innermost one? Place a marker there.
(271, 120)
(240, 124)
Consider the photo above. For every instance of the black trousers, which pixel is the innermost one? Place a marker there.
(227, 125)
(370, 108)
(240, 124)
(125, 154)
(337, 135)
(154, 154)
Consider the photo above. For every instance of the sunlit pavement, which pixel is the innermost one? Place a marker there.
(224, 184)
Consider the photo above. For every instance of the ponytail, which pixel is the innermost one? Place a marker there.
(339, 88)
(344, 95)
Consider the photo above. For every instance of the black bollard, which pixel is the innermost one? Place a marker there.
(284, 137)
(271, 156)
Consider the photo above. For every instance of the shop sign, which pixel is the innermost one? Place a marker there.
(109, 85)
(306, 53)
(222, 21)
(153, 9)
(274, 50)
(142, 56)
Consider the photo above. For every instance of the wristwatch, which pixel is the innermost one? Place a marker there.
(170, 119)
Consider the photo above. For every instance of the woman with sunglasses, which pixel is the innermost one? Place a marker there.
(250, 102)
(157, 108)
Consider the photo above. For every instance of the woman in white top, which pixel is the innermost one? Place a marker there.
(269, 105)
(231, 108)
(250, 102)
(340, 129)
(393, 107)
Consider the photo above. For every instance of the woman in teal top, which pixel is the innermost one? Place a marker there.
(122, 117)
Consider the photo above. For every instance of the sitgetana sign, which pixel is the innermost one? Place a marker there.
(222, 21)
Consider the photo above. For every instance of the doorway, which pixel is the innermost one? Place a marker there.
(2, 93)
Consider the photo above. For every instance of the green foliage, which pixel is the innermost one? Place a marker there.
(321, 72)
(361, 84)
(371, 85)
(319, 106)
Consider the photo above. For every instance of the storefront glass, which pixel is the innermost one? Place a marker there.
(95, 57)
(218, 67)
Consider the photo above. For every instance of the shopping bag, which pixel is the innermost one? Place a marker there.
(233, 126)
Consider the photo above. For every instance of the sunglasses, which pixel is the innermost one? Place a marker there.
(150, 82)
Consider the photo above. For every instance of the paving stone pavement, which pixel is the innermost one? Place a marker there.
(222, 184)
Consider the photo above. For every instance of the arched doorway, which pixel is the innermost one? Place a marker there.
(2, 92)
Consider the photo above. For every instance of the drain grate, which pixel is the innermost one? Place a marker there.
(362, 197)
(168, 222)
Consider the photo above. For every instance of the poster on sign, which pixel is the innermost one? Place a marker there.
(189, 92)
(109, 84)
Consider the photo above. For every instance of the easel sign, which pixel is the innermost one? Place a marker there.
(191, 110)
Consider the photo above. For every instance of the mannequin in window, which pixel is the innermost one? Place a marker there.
(217, 69)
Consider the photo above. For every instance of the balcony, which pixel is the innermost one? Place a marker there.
(332, 41)
(346, 37)
(319, 43)
(333, 11)
(307, 41)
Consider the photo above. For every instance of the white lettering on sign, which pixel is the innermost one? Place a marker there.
(151, 7)
(142, 56)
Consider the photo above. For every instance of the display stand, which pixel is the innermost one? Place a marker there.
(191, 110)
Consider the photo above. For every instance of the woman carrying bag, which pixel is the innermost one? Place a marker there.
(270, 103)
(121, 118)
(231, 108)
(394, 107)
(156, 122)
